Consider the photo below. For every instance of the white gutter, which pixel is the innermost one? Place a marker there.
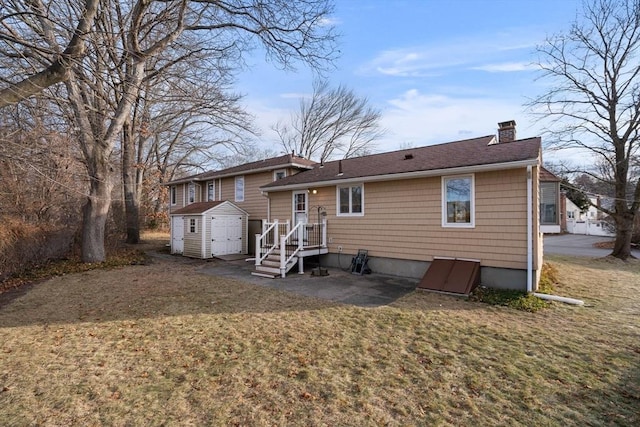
(407, 175)
(529, 229)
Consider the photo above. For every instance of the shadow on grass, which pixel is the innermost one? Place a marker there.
(177, 286)
(607, 263)
(616, 405)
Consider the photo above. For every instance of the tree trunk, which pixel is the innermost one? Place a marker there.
(95, 214)
(624, 232)
(129, 180)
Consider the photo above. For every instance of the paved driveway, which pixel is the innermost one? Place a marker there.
(577, 245)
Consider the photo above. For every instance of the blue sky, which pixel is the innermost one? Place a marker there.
(439, 70)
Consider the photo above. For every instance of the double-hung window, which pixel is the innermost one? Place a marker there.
(350, 200)
(174, 195)
(458, 201)
(211, 191)
(549, 203)
(192, 192)
(193, 225)
(239, 188)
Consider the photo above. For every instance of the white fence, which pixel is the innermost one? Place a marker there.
(590, 227)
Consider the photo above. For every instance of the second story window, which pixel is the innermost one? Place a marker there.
(174, 195)
(239, 188)
(211, 191)
(279, 174)
(192, 192)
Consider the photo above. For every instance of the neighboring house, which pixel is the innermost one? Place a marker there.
(589, 222)
(550, 212)
(239, 185)
(473, 200)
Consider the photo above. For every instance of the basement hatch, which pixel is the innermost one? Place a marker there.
(451, 275)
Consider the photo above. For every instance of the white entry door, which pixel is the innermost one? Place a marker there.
(177, 235)
(300, 208)
(226, 235)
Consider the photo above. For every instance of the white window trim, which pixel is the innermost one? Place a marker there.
(235, 188)
(443, 198)
(195, 197)
(213, 194)
(338, 187)
(275, 174)
(173, 195)
(195, 227)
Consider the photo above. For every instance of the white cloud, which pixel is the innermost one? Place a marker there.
(294, 95)
(330, 21)
(421, 119)
(505, 67)
(507, 49)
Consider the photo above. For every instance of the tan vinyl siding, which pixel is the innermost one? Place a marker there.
(224, 189)
(280, 205)
(193, 241)
(254, 202)
(403, 219)
(180, 198)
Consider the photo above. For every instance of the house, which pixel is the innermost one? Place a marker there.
(472, 200)
(589, 222)
(550, 211)
(191, 207)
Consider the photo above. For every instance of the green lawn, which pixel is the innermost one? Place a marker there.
(161, 344)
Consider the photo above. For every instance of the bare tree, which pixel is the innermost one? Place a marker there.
(103, 86)
(332, 122)
(594, 102)
(60, 61)
(181, 118)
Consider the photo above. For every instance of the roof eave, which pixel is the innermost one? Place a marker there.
(239, 173)
(408, 175)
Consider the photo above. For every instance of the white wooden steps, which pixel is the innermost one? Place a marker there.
(270, 266)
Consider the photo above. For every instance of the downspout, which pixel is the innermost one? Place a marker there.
(529, 230)
(547, 297)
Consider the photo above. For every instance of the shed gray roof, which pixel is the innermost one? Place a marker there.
(458, 154)
(198, 208)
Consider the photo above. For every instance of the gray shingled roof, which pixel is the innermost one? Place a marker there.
(548, 176)
(458, 154)
(286, 160)
(196, 208)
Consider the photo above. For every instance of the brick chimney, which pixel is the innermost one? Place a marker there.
(507, 131)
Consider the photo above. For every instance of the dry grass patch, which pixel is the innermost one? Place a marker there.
(161, 344)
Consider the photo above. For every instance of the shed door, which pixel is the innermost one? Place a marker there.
(177, 234)
(226, 234)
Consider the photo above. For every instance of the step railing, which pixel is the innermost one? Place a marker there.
(268, 241)
(290, 245)
(289, 242)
